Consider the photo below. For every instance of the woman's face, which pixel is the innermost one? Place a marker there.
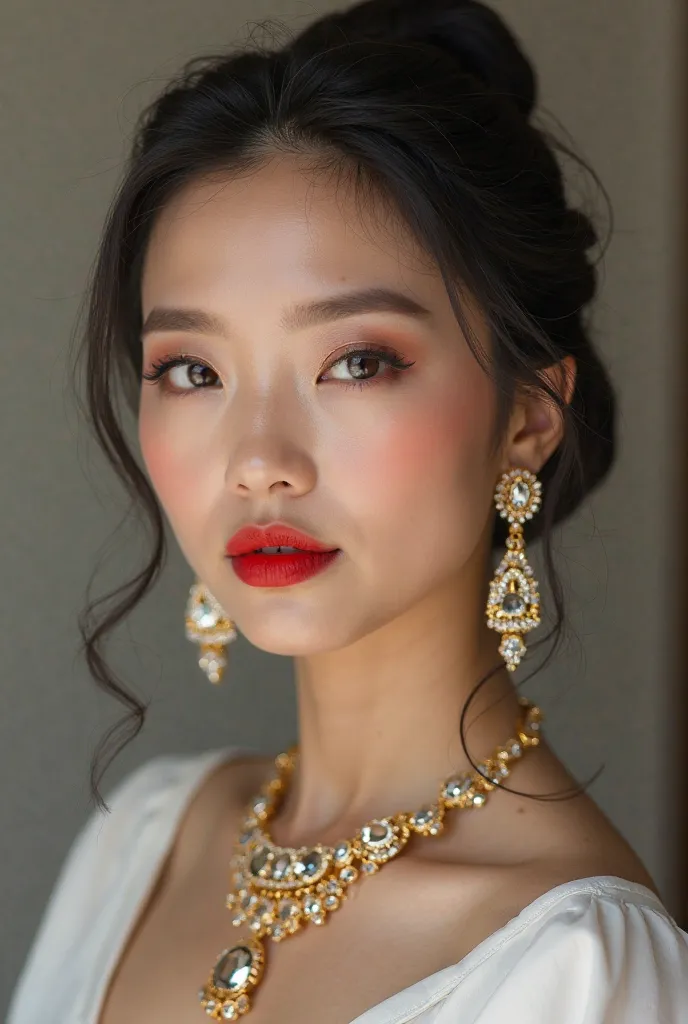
(397, 468)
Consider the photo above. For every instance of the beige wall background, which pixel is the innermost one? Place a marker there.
(75, 73)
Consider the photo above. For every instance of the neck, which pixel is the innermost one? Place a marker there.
(379, 721)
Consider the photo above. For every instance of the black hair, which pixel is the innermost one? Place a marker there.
(429, 106)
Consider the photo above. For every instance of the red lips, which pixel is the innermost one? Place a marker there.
(250, 538)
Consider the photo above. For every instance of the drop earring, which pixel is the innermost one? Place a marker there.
(208, 625)
(513, 606)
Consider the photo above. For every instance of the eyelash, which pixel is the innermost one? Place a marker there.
(161, 368)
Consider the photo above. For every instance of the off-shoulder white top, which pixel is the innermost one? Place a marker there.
(598, 950)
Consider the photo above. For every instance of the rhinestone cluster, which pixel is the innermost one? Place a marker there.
(206, 624)
(513, 606)
(276, 890)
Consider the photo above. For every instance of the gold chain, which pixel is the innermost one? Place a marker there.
(276, 890)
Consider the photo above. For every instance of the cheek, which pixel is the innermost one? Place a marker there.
(178, 474)
(423, 481)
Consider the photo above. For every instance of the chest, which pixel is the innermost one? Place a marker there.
(396, 928)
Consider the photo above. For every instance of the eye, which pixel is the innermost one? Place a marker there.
(360, 360)
(164, 367)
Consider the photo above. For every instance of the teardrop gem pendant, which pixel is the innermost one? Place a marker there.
(237, 970)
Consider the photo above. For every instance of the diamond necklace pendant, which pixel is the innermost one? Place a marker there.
(278, 890)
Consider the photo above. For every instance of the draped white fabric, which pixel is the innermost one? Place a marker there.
(598, 950)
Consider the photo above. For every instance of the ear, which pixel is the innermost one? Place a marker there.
(536, 425)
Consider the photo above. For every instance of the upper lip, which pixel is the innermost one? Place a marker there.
(251, 537)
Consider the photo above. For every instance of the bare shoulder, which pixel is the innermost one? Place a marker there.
(549, 844)
(584, 838)
(523, 844)
(563, 839)
(531, 881)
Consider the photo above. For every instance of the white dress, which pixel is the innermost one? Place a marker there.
(598, 950)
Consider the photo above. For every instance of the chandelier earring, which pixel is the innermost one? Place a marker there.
(513, 605)
(208, 625)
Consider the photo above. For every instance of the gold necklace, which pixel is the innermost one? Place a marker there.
(276, 890)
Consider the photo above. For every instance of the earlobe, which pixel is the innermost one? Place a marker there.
(537, 425)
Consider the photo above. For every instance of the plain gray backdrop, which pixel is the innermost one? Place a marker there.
(74, 75)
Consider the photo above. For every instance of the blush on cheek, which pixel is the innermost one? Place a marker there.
(420, 485)
(423, 486)
(176, 473)
(156, 452)
(182, 483)
(438, 442)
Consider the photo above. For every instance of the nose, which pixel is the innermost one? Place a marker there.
(272, 427)
(265, 466)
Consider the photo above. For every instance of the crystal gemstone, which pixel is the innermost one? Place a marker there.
(232, 971)
(259, 860)
(287, 910)
(280, 867)
(513, 645)
(205, 615)
(457, 787)
(308, 865)
(520, 493)
(513, 604)
(377, 832)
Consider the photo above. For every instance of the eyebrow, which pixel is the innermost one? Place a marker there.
(298, 317)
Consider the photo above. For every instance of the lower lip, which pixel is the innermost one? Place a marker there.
(260, 570)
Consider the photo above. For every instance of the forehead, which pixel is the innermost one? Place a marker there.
(284, 223)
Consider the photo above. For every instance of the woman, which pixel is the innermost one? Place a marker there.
(353, 258)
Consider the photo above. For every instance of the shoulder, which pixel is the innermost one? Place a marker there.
(156, 789)
(152, 794)
(173, 796)
(592, 950)
(112, 853)
(141, 819)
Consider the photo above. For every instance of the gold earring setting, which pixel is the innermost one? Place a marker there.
(207, 624)
(513, 606)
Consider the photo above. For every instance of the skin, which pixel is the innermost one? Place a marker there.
(388, 643)
(399, 474)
